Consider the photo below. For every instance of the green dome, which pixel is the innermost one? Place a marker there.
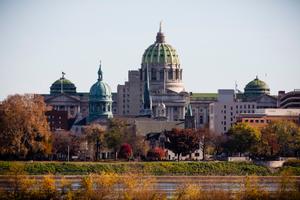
(62, 85)
(257, 87)
(100, 91)
(160, 52)
(100, 100)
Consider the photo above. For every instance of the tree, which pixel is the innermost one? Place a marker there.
(116, 135)
(24, 130)
(279, 138)
(139, 146)
(241, 138)
(182, 141)
(64, 143)
(113, 140)
(205, 140)
(95, 137)
(125, 151)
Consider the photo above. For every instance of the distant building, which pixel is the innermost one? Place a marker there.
(261, 117)
(224, 112)
(200, 107)
(258, 91)
(289, 99)
(63, 97)
(57, 120)
(161, 66)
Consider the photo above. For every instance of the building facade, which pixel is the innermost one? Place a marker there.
(224, 112)
(289, 99)
(261, 117)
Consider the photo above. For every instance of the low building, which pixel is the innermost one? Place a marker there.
(261, 117)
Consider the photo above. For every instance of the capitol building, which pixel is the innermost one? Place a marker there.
(155, 91)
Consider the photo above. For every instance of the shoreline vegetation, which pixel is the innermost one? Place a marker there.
(167, 168)
(136, 187)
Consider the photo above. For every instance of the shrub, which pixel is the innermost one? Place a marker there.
(156, 154)
(125, 151)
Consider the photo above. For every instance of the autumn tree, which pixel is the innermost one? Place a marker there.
(94, 134)
(241, 138)
(64, 143)
(182, 141)
(24, 131)
(205, 139)
(115, 134)
(279, 138)
(140, 147)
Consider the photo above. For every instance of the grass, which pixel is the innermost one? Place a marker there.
(150, 168)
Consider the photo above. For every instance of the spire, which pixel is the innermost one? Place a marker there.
(160, 37)
(100, 74)
(147, 101)
(160, 25)
(61, 82)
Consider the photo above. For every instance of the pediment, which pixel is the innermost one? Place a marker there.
(267, 98)
(63, 98)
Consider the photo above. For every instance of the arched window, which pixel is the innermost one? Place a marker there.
(161, 75)
(177, 74)
(153, 74)
(170, 74)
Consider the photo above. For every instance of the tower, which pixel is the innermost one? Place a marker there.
(100, 99)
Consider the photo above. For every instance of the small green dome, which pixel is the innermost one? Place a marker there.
(257, 87)
(62, 85)
(160, 52)
(100, 100)
(100, 91)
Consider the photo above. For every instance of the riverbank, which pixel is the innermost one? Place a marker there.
(149, 168)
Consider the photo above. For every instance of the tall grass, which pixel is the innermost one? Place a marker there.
(108, 185)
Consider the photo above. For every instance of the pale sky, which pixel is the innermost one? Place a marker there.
(218, 42)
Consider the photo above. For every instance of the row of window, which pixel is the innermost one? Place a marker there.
(171, 74)
(241, 106)
(257, 121)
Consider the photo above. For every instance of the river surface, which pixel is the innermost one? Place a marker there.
(169, 184)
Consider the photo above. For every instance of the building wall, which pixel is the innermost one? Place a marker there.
(223, 114)
(129, 95)
(290, 99)
(57, 120)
